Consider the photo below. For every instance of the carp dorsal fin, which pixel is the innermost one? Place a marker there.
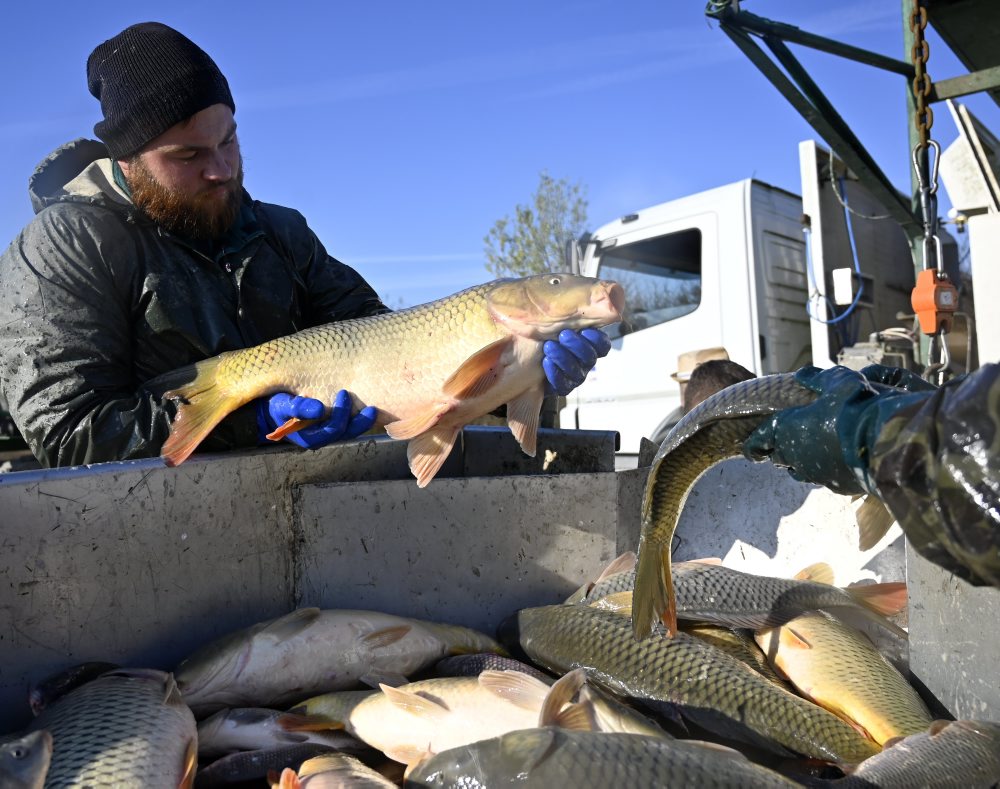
(819, 572)
(522, 418)
(621, 564)
(479, 372)
(415, 704)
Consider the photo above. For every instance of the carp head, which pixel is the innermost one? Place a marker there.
(543, 305)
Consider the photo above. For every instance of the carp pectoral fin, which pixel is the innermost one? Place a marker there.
(522, 418)
(477, 373)
(521, 690)
(289, 780)
(387, 636)
(622, 564)
(293, 425)
(189, 765)
(874, 520)
(428, 452)
(618, 603)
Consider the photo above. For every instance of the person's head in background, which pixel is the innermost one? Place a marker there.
(710, 377)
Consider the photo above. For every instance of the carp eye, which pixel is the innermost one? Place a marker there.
(555, 281)
(18, 753)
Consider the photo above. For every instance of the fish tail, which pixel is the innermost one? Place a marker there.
(885, 599)
(204, 402)
(653, 596)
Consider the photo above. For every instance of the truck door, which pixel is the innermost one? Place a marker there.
(671, 307)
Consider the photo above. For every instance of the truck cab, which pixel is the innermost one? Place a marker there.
(724, 267)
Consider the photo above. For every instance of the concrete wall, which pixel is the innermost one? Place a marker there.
(138, 564)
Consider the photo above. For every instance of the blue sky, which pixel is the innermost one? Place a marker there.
(403, 131)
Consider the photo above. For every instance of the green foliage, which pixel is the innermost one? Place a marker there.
(533, 241)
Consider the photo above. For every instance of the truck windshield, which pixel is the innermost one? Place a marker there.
(661, 277)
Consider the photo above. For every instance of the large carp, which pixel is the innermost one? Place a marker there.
(711, 432)
(429, 369)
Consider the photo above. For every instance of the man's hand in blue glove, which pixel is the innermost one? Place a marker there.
(274, 411)
(568, 359)
(829, 441)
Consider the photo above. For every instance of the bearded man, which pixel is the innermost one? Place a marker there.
(146, 254)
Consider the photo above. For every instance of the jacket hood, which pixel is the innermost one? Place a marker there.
(79, 170)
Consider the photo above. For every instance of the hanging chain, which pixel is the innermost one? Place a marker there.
(934, 292)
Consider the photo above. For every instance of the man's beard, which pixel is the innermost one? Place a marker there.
(199, 218)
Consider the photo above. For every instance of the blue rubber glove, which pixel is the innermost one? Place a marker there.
(340, 425)
(830, 441)
(568, 360)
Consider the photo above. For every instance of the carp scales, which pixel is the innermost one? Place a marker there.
(838, 668)
(709, 592)
(333, 771)
(128, 727)
(429, 369)
(708, 434)
(553, 757)
(710, 688)
(312, 651)
(962, 754)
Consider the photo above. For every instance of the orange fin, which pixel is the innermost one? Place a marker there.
(820, 573)
(522, 418)
(713, 561)
(292, 425)
(203, 404)
(938, 726)
(402, 429)
(288, 780)
(428, 452)
(621, 564)
(886, 599)
(190, 765)
(479, 372)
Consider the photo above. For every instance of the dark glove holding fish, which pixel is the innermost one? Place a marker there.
(275, 411)
(830, 440)
(569, 359)
(929, 453)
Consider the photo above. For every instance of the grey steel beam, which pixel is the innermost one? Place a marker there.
(976, 82)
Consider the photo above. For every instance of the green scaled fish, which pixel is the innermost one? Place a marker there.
(128, 727)
(552, 757)
(710, 433)
(962, 754)
(712, 689)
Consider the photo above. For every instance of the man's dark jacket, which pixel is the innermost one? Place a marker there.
(96, 300)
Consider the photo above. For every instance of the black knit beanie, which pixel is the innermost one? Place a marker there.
(148, 78)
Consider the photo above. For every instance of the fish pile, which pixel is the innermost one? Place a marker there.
(430, 369)
(762, 684)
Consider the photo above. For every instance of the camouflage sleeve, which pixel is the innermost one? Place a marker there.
(936, 465)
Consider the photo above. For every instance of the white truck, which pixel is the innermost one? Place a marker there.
(729, 268)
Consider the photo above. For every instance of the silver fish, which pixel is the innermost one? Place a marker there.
(309, 652)
(24, 762)
(128, 727)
